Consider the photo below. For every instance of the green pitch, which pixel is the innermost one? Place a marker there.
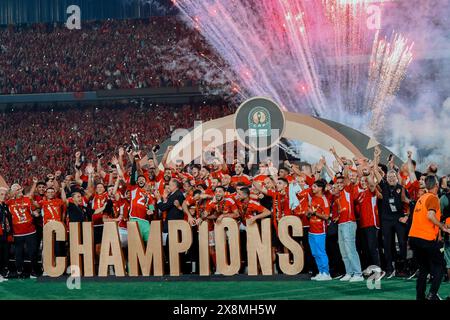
(392, 289)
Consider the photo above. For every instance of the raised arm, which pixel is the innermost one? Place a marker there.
(116, 162)
(165, 156)
(412, 173)
(55, 182)
(338, 159)
(330, 172)
(33, 188)
(120, 159)
(155, 162)
(371, 181)
(90, 186)
(100, 169)
(63, 193)
(259, 187)
(319, 167)
(134, 173)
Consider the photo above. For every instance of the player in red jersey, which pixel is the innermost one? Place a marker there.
(100, 207)
(53, 209)
(217, 209)
(24, 231)
(318, 215)
(250, 211)
(347, 232)
(205, 177)
(263, 173)
(142, 203)
(280, 209)
(304, 194)
(369, 222)
(280, 198)
(239, 176)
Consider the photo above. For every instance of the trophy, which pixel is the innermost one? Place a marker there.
(134, 142)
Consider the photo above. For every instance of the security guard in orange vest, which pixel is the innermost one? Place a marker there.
(424, 240)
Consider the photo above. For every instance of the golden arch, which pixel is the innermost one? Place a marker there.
(321, 133)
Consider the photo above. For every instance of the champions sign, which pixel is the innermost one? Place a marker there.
(148, 259)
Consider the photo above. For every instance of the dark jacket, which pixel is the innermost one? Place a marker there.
(5, 216)
(391, 204)
(172, 212)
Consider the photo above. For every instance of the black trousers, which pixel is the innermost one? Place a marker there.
(369, 241)
(359, 242)
(389, 228)
(193, 252)
(430, 261)
(28, 241)
(334, 256)
(243, 244)
(4, 255)
(310, 263)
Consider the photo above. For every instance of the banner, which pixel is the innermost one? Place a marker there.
(147, 259)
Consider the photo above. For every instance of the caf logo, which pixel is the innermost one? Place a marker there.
(259, 123)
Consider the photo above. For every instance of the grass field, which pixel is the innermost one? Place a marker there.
(392, 289)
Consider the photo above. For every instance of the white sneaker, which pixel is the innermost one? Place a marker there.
(2, 279)
(357, 279)
(316, 276)
(324, 277)
(347, 277)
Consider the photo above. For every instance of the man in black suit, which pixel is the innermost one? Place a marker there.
(171, 204)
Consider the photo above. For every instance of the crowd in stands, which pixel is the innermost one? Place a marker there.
(112, 54)
(34, 143)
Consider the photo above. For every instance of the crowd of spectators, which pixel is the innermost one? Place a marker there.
(34, 143)
(107, 55)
